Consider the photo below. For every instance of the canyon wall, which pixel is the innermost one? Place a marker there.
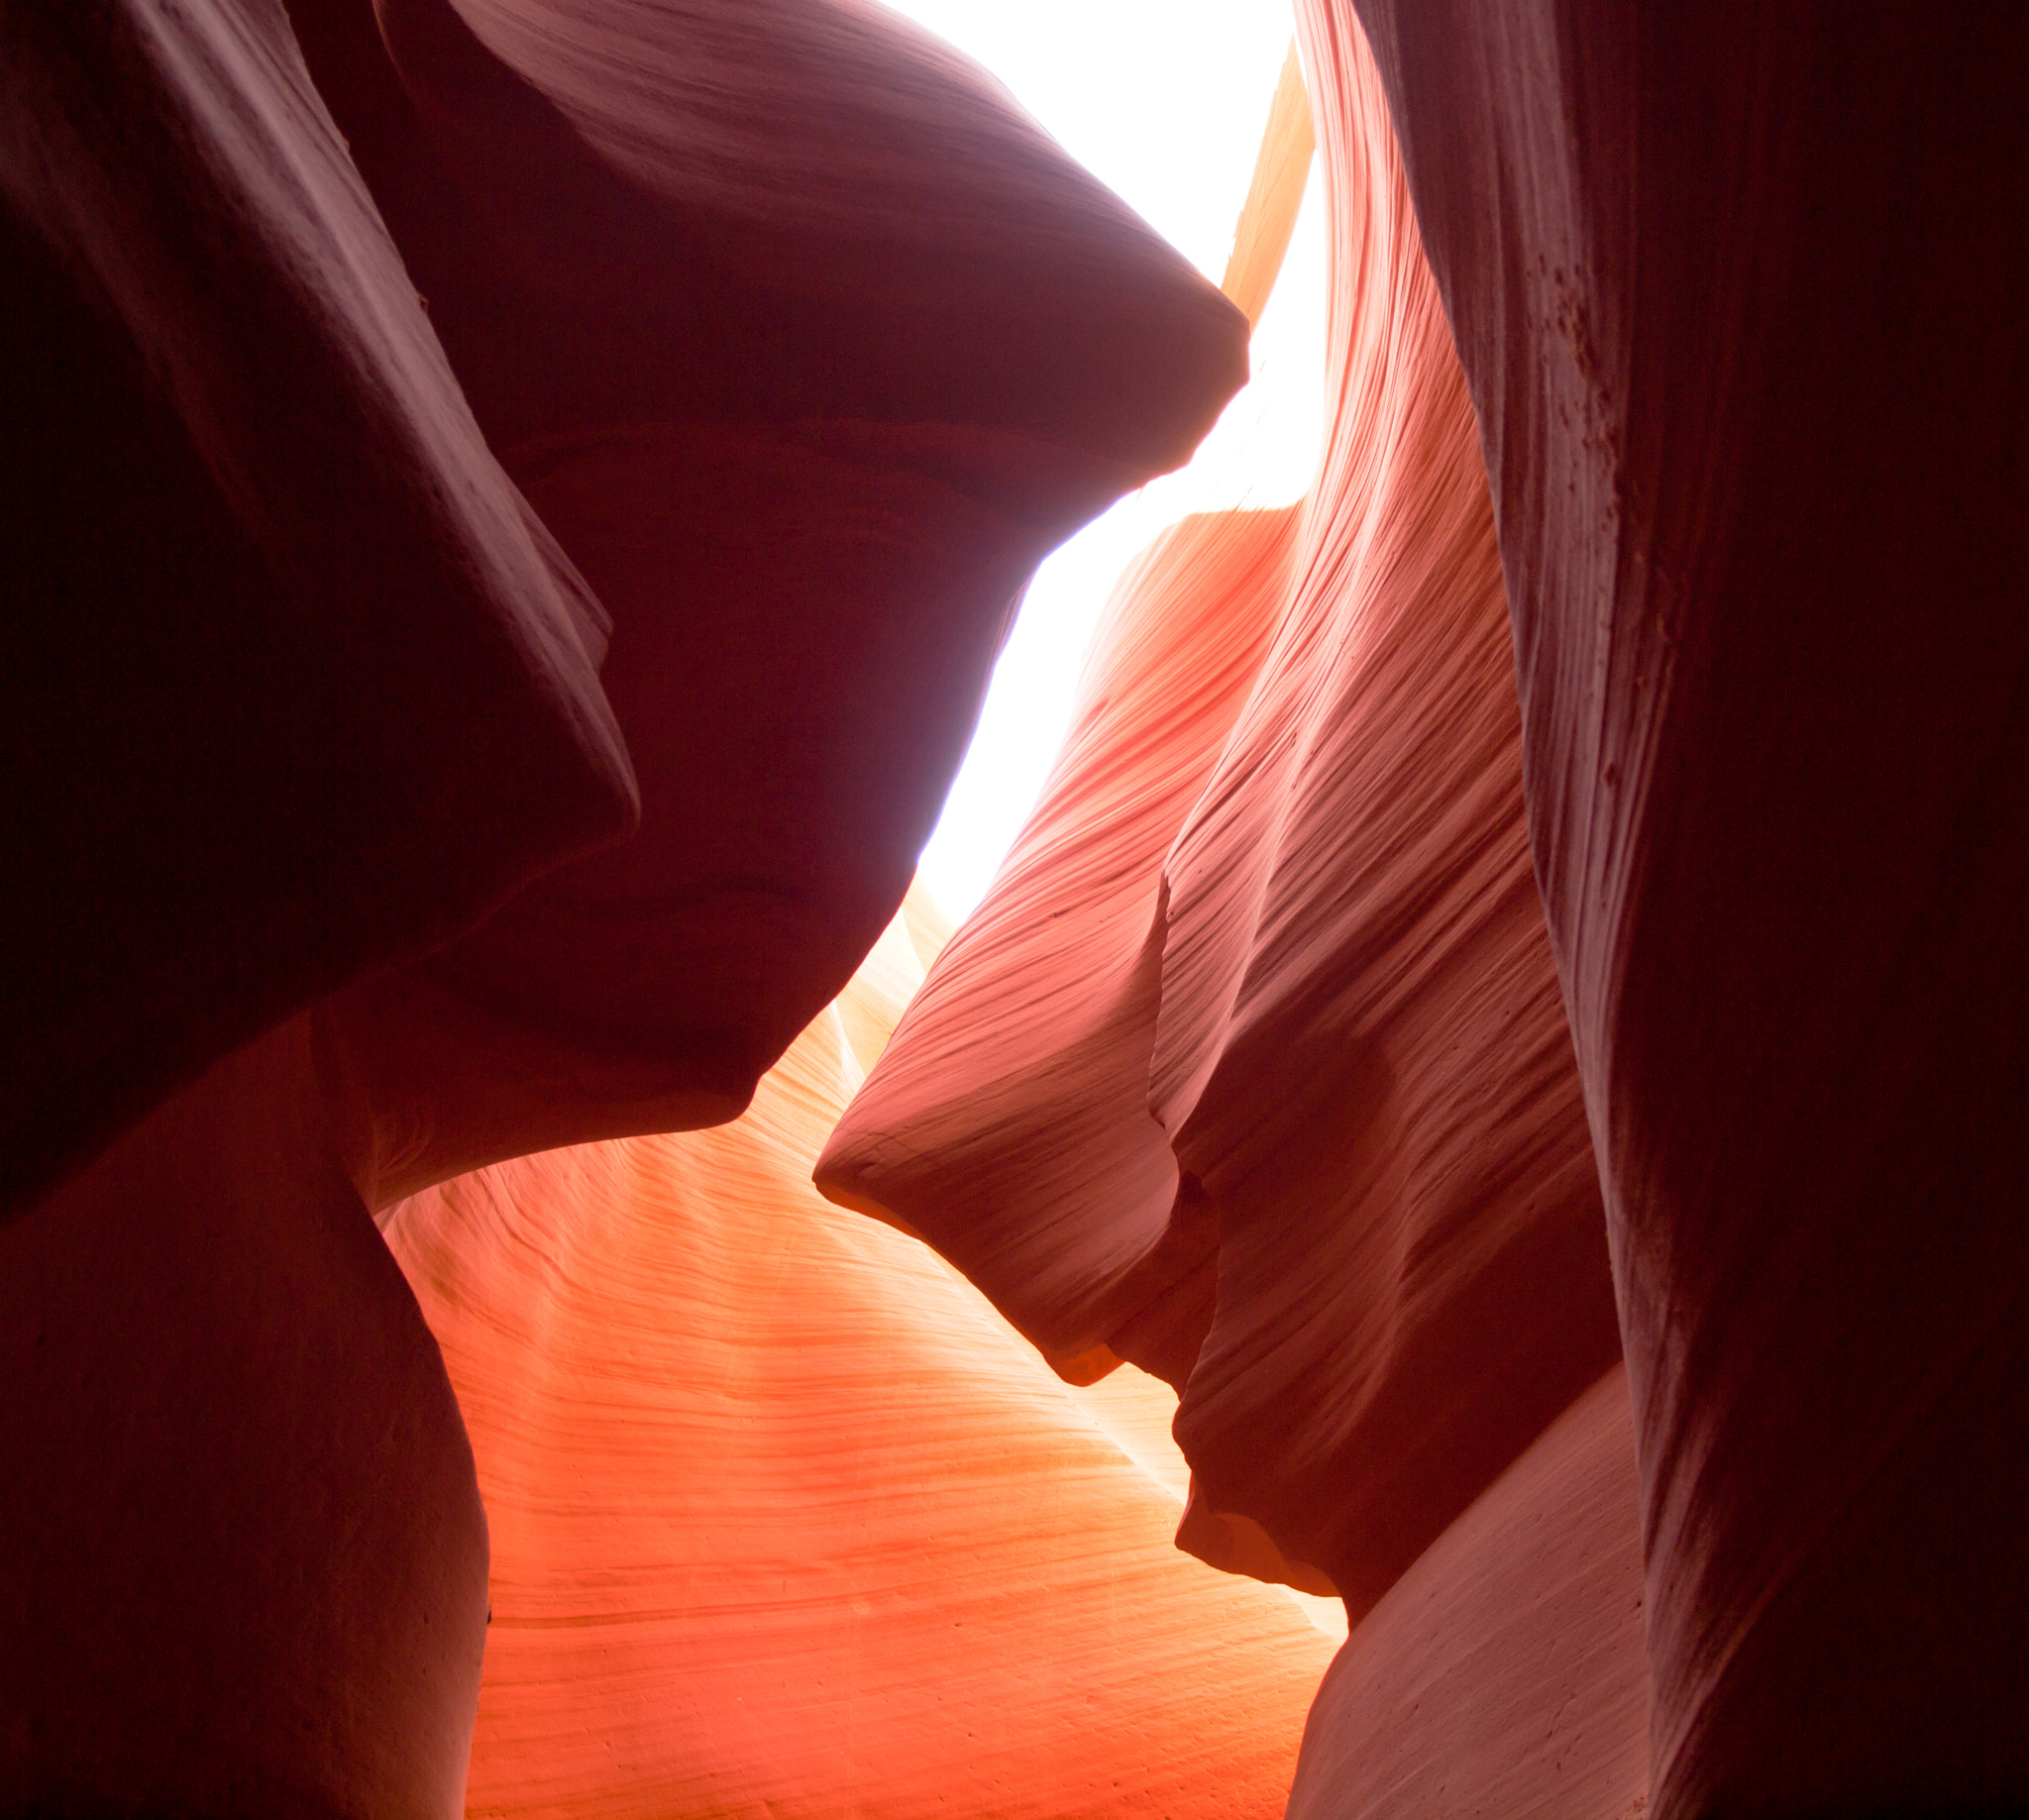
(1726, 293)
(1510, 1002)
(1252, 1067)
(1729, 288)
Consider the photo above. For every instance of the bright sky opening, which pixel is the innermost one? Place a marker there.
(1165, 102)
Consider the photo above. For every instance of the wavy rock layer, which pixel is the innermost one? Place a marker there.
(785, 1520)
(1754, 395)
(1252, 1065)
(1360, 1054)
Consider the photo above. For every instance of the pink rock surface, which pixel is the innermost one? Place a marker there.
(1361, 1054)
(1505, 1673)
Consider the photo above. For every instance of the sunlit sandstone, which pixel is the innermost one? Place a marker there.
(785, 1518)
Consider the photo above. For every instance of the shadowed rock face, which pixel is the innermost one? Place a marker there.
(307, 688)
(1731, 293)
(294, 684)
(807, 345)
(245, 1564)
(806, 438)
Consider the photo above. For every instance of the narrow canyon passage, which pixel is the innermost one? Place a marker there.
(785, 1520)
(1444, 1239)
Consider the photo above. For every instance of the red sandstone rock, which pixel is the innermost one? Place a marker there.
(242, 1562)
(807, 345)
(1361, 1052)
(810, 456)
(294, 686)
(1504, 1674)
(1338, 999)
(785, 1518)
(807, 402)
(1008, 1124)
(1734, 292)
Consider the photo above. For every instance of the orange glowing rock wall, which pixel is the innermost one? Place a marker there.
(1252, 1067)
(785, 1518)
(1187, 1088)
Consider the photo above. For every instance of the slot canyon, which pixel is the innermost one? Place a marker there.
(1442, 1241)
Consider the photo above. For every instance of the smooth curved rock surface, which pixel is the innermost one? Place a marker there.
(807, 345)
(806, 426)
(1381, 1271)
(787, 1520)
(242, 1561)
(1732, 294)
(294, 686)
(1505, 1673)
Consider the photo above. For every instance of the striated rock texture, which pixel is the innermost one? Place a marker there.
(1009, 1121)
(1252, 1066)
(785, 1520)
(1734, 290)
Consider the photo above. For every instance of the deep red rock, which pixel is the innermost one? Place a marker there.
(245, 1560)
(294, 686)
(1735, 292)
(806, 344)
